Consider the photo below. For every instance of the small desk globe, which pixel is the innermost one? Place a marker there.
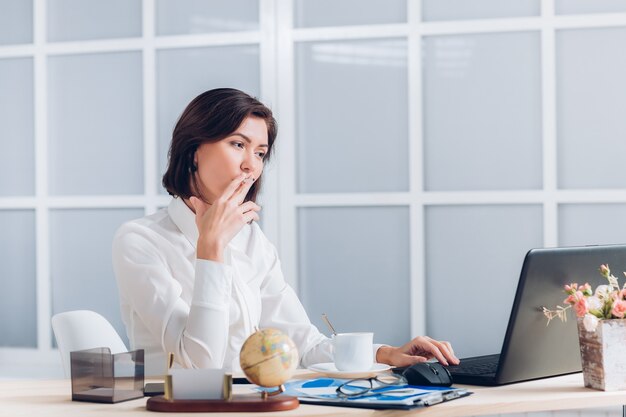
(269, 358)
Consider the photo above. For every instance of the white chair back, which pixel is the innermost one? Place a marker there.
(83, 329)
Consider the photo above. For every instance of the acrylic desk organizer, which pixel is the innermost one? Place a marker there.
(99, 376)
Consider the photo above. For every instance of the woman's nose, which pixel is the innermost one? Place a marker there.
(249, 163)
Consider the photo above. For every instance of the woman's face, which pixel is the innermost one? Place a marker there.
(219, 163)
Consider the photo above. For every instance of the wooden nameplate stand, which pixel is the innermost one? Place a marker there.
(230, 402)
(239, 402)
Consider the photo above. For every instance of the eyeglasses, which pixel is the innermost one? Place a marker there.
(364, 387)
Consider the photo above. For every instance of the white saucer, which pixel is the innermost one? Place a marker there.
(329, 369)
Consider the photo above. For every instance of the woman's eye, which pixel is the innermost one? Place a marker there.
(238, 145)
(261, 154)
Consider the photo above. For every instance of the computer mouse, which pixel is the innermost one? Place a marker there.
(431, 374)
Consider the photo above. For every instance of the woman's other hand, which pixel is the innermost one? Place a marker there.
(219, 222)
(417, 350)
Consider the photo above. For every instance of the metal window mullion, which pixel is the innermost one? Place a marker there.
(269, 94)
(42, 226)
(149, 107)
(429, 198)
(19, 203)
(286, 155)
(394, 30)
(417, 237)
(549, 140)
(17, 51)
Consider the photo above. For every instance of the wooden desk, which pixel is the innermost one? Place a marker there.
(52, 398)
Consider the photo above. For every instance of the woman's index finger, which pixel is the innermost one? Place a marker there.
(231, 189)
(241, 192)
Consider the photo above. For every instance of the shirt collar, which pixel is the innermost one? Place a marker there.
(184, 219)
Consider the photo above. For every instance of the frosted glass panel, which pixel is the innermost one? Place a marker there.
(95, 124)
(73, 20)
(16, 21)
(309, 13)
(352, 124)
(354, 266)
(17, 158)
(586, 6)
(176, 17)
(81, 272)
(182, 74)
(474, 256)
(478, 9)
(17, 271)
(591, 224)
(482, 112)
(591, 126)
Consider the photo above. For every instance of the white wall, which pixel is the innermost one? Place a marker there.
(424, 147)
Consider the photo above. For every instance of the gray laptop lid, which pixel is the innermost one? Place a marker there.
(532, 350)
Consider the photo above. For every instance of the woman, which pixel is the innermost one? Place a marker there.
(198, 277)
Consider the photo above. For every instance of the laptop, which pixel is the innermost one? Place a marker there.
(532, 350)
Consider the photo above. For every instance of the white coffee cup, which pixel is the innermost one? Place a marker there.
(354, 351)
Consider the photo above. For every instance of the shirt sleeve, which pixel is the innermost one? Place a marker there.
(197, 334)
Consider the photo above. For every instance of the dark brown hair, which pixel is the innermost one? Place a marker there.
(211, 117)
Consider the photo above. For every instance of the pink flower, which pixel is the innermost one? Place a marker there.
(571, 288)
(571, 299)
(619, 309)
(585, 289)
(574, 297)
(604, 270)
(607, 301)
(582, 308)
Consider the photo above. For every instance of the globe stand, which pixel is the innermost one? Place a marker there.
(266, 394)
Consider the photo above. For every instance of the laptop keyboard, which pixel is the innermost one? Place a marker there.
(482, 365)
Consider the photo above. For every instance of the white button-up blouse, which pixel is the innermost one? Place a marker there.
(201, 310)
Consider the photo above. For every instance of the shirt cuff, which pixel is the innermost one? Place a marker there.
(376, 347)
(213, 284)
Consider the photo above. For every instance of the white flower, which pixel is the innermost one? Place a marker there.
(594, 303)
(602, 292)
(590, 322)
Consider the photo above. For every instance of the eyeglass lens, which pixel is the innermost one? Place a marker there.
(357, 387)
